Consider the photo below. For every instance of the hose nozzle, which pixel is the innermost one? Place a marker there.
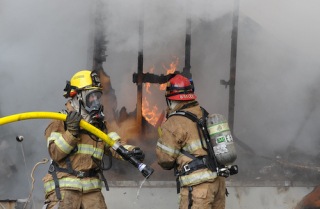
(143, 168)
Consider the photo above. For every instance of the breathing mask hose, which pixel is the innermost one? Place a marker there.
(144, 169)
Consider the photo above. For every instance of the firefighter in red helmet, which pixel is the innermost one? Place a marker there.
(179, 147)
(75, 176)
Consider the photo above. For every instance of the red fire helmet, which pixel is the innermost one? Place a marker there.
(180, 88)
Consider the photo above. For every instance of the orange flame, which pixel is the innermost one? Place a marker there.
(173, 67)
(148, 85)
(152, 114)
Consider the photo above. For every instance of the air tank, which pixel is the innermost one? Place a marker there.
(221, 139)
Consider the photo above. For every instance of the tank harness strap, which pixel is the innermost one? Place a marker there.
(203, 134)
(54, 168)
(176, 174)
(200, 162)
(100, 170)
(53, 173)
(69, 170)
(190, 197)
(103, 179)
(196, 164)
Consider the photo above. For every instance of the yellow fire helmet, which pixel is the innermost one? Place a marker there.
(82, 80)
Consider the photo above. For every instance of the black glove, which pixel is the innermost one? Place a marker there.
(73, 123)
(138, 153)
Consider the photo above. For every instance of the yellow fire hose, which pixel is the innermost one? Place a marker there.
(144, 169)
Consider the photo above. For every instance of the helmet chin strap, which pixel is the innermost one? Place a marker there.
(77, 104)
(172, 103)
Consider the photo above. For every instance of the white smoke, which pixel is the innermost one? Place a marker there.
(43, 43)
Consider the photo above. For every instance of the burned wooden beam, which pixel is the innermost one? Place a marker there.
(232, 77)
(151, 78)
(233, 64)
(187, 66)
(140, 74)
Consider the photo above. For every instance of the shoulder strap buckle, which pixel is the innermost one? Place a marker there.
(80, 174)
(51, 168)
(186, 168)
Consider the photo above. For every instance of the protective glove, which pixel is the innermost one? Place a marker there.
(138, 153)
(73, 123)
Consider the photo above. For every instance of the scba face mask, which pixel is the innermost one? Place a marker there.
(92, 100)
(92, 104)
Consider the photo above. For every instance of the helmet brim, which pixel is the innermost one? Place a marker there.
(182, 97)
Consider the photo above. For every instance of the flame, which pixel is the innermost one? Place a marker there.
(172, 67)
(148, 85)
(152, 113)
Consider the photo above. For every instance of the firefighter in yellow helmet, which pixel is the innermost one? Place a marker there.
(179, 147)
(75, 176)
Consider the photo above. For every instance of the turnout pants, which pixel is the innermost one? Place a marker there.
(211, 195)
(72, 199)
